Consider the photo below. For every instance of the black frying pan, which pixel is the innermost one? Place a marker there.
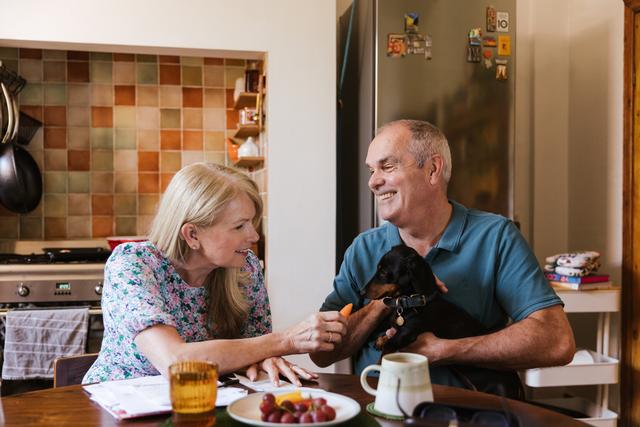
(20, 178)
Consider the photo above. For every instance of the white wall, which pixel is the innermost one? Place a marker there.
(299, 39)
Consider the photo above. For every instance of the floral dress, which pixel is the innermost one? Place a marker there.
(143, 289)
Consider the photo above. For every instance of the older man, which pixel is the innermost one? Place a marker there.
(486, 264)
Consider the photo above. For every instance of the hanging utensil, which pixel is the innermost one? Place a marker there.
(8, 100)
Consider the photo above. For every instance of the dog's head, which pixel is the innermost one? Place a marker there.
(401, 271)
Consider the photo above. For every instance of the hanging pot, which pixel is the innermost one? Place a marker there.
(20, 178)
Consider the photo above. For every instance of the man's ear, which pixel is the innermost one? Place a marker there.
(434, 168)
(189, 233)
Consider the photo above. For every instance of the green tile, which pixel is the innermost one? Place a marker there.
(101, 56)
(191, 76)
(9, 52)
(55, 182)
(102, 160)
(126, 225)
(11, 64)
(124, 117)
(126, 204)
(234, 62)
(101, 72)
(30, 227)
(170, 118)
(55, 94)
(147, 58)
(125, 139)
(101, 138)
(147, 73)
(54, 54)
(191, 60)
(230, 76)
(31, 94)
(55, 205)
(9, 227)
(79, 182)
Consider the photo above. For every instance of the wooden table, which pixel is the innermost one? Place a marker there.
(70, 406)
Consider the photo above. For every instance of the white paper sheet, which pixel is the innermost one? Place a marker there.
(145, 396)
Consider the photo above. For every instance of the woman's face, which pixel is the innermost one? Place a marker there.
(225, 244)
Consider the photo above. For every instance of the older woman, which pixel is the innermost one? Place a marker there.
(196, 291)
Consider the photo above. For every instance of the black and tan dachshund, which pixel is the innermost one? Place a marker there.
(405, 282)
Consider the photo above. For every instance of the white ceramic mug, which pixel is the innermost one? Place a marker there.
(415, 383)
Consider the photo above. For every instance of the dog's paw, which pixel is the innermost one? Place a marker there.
(381, 341)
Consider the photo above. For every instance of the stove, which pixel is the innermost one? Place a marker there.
(53, 275)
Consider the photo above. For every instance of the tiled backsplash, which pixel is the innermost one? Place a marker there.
(116, 127)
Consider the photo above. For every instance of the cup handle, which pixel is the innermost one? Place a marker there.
(363, 378)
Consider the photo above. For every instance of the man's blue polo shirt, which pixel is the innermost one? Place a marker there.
(482, 258)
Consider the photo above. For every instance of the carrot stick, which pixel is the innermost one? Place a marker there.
(346, 310)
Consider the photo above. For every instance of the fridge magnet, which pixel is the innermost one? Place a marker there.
(396, 45)
(486, 58)
(501, 61)
(491, 19)
(501, 72)
(474, 54)
(503, 22)
(415, 44)
(489, 41)
(411, 21)
(428, 42)
(475, 37)
(504, 46)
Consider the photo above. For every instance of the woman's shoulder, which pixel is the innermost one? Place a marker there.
(136, 253)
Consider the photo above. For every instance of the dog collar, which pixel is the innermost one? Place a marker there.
(412, 301)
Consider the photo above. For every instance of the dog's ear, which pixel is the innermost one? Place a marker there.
(421, 275)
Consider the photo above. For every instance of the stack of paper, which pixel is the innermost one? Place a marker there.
(145, 396)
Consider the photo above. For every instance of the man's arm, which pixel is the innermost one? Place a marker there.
(544, 338)
(360, 325)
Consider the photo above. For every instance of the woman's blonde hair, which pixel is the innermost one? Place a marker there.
(198, 194)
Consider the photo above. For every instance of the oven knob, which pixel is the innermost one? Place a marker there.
(98, 288)
(23, 291)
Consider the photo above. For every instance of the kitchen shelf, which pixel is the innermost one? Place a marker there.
(596, 416)
(245, 131)
(249, 161)
(246, 100)
(604, 370)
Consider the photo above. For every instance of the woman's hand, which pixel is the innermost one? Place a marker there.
(319, 332)
(276, 366)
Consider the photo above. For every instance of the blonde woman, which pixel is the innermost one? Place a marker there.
(196, 291)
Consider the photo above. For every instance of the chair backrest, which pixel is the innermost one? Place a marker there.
(70, 370)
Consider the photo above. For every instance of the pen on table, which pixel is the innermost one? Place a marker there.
(227, 381)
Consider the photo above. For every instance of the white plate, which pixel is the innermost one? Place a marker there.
(247, 409)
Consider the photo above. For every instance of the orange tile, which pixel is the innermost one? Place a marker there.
(148, 183)
(55, 116)
(170, 140)
(101, 117)
(232, 119)
(192, 140)
(229, 97)
(192, 97)
(213, 61)
(78, 71)
(124, 57)
(165, 179)
(169, 74)
(55, 137)
(169, 59)
(78, 160)
(148, 161)
(101, 204)
(34, 111)
(30, 53)
(77, 55)
(125, 95)
(101, 226)
(55, 228)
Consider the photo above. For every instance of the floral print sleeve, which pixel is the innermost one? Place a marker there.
(259, 317)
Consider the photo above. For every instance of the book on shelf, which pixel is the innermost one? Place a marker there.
(581, 286)
(591, 278)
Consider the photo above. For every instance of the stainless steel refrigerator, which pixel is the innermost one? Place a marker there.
(450, 62)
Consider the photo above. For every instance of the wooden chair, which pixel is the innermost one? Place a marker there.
(70, 370)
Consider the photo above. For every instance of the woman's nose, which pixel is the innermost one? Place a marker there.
(253, 235)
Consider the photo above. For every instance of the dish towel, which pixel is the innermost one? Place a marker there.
(35, 338)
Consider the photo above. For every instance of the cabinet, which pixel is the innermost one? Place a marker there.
(602, 372)
(250, 101)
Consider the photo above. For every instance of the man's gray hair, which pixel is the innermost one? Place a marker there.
(426, 140)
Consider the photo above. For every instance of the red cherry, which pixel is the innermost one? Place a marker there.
(306, 418)
(329, 412)
(288, 418)
(268, 397)
(287, 405)
(319, 401)
(319, 416)
(301, 407)
(275, 417)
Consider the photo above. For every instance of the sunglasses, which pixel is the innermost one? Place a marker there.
(428, 414)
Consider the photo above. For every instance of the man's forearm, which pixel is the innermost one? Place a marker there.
(359, 327)
(542, 339)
